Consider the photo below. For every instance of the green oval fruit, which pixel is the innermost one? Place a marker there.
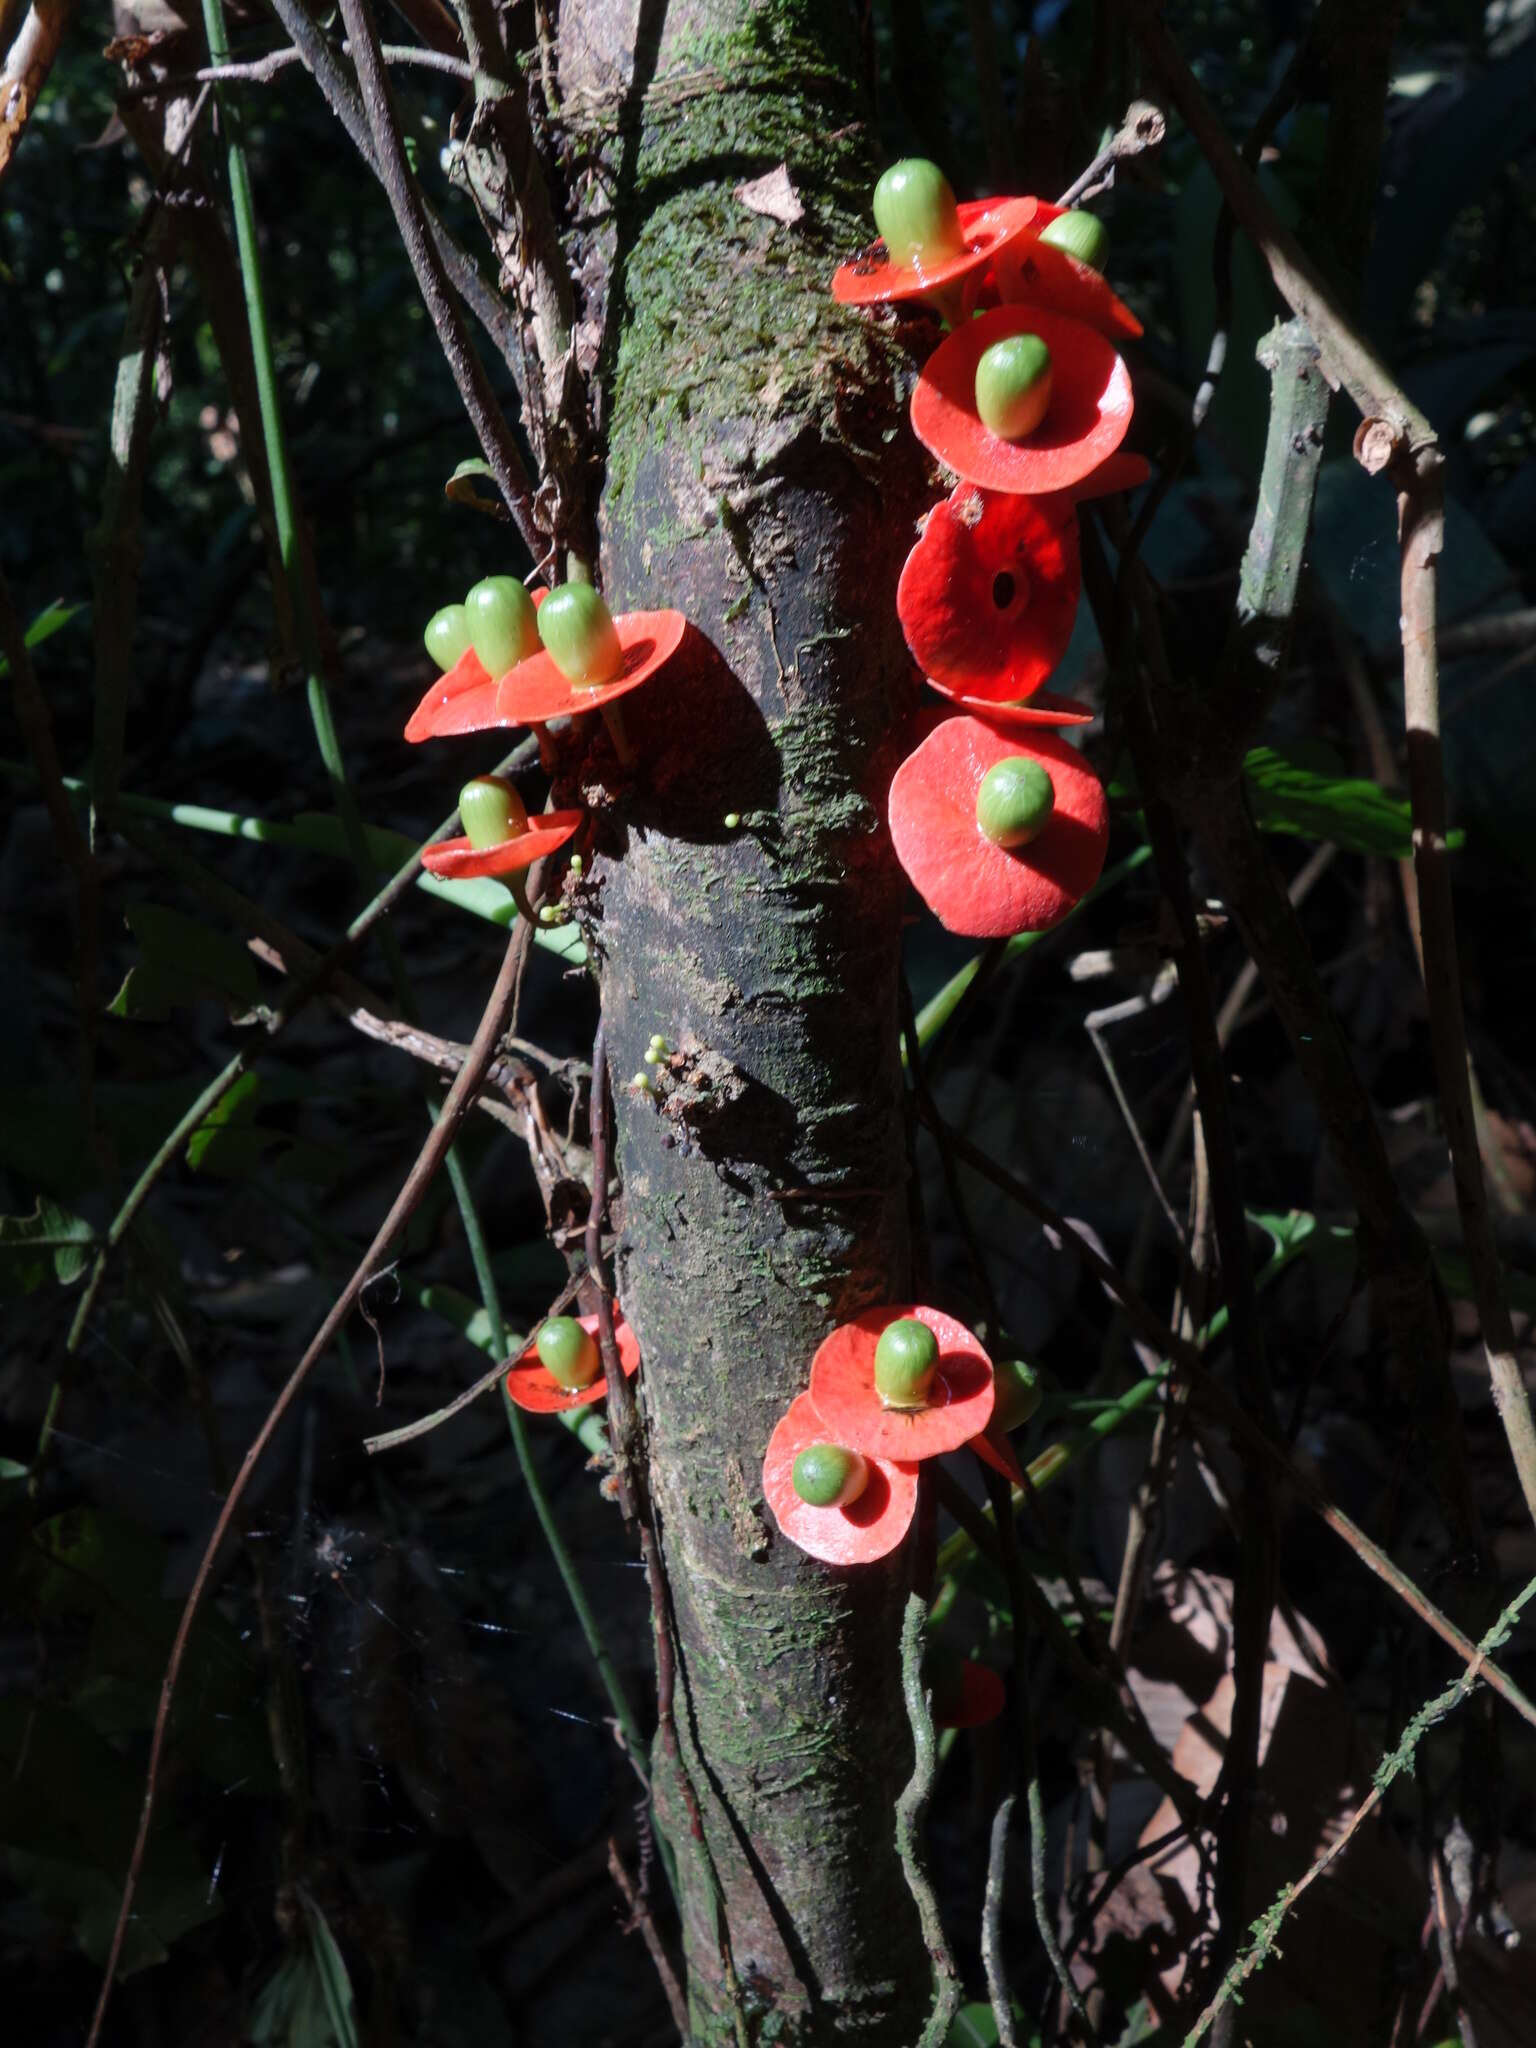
(1015, 801)
(906, 1359)
(447, 635)
(1017, 1393)
(1080, 234)
(1013, 386)
(915, 213)
(578, 629)
(827, 1476)
(568, 1353)
(490, 811)
(503, 625)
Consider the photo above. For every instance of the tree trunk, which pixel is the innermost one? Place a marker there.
(755, 482)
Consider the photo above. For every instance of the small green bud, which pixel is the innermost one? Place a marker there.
(906, 1358)
(731, 820)
(652, 1056)
(642, 1082)
(491, 810)
(1080, 234)
(1017, 1393)
(1013, 386)
(1015, 801)
(568, 1353)
(578, 629)
(503, 626)
(915, 213)
(447, 635)
(577, 864)
(658, 1044)
(827, 1476)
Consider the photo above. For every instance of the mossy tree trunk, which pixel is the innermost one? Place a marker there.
(757, 480)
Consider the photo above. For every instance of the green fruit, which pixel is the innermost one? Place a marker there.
(906, 1359)
(447, 635)
(503, 626)
(1017, 1393)
(1015, 801)
(568, 1353)
(827, 1476)
(915, 213)
(1080, 234)
(1013, 386)
(490, 811)
(578, 629)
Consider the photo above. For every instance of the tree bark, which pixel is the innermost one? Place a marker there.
(758, 478)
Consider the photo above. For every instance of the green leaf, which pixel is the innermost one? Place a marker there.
(460, 487)
(229, 1115)
(335, 1984)
(1289, 792)
(43, 627)
(183, 962)
(49, 1241)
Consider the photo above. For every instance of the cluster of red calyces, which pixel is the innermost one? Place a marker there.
(508, 658)
(998, 822)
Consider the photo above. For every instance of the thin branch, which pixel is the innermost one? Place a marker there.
(485, 415)
(404, 1206)
(1143, 128)
(24, 70)
(992, 1918)
(640, 1917)
(266, 68)
(910, 1808)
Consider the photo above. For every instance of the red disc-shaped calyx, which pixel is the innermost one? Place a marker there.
(1043, 709)
(989, 594)
(536, 690)
(977, 1695)
(991, 1445)
(456, 860)
(462, 700)
(1030, 272)
(987, 225)
(866, 1528)
(532, 1386)
(1090, 411)
(843, 1389)
(973, 887)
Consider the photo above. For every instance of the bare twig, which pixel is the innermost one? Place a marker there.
(992, 1920)
(485, 415)
(640, 1917)
(24, 70)
(266, 68)
(401, 1209)
(1143, 128)
(910, 1808)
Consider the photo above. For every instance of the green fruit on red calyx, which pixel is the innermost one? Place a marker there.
(1017, 1393)
(1013, 386)
(491, 811)
(1015, 801)
(915, 213)
(906, 1358)
(578, 629)
(827, 1476)
(447, 635)
(503, 625)
(1080, 234)
(568, 1353)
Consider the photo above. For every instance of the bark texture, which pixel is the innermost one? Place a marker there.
(760, 479)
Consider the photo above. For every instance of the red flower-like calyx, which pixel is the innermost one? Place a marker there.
(973, 887)
(868, 1527)
(852, 1413)
(456, 860)
(987, 225)
(535, 690)
(975, 1694)
(463, 700)
(988, 596)
(532, 1386)
(1089, 413)
(1029, 272)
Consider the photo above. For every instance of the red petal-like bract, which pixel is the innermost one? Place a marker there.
(867, 1528)
(991, 1445)
(456, 860)
(843, 1389)
(463, 700)
(532, 1386)
(1044, 708)
(988, 225)
(1030, 272)
(977, 889)
(979, 1696)
(1090, 409)
(988, 596)
(535, 690)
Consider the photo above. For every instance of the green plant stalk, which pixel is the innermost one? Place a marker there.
(938, 1010)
